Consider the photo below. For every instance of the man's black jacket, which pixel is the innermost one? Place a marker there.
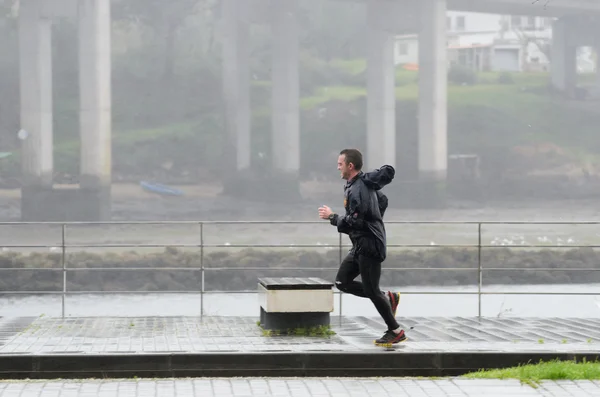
(365, 206)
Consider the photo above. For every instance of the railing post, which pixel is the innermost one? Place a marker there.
(480, 277)
(64, 268)
(340, 261)
(202, 269)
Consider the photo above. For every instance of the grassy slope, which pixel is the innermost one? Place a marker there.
(542, 119)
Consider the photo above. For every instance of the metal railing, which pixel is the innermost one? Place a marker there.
(63, 243)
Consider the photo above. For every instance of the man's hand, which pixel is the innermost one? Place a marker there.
(324, 212)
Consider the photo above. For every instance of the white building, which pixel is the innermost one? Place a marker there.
(487, 42)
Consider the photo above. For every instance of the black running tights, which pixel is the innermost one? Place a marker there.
(370, 273)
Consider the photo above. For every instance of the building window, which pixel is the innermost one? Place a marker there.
(545, 22)
(402, 48)
(460, 22)
(531, 22)
(515, 21)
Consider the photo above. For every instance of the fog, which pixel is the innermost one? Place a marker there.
(236, 110)
(513, 139)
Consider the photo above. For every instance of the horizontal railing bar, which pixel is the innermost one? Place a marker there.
(157, 245)
(76, 269)
(124, 292)
(582, 269)
(67, 246)
(528, 269)
(130, 292)
(336, 268)
(57, 245)
(272, 268)
(167, 245)
(537, 293)
(538, 246)
(425, 292)
(96, 292)
(31, 292)
(300, 268)
(55, 269)
(267, 222)
(331, 246)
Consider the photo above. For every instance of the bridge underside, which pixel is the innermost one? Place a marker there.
(543, 8)
(548, 8)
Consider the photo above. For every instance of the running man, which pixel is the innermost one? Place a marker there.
(363, 223)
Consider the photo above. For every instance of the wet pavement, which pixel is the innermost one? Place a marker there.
(106, 335)
(230, 347)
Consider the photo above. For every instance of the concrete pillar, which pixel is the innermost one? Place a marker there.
(563, 68)
(381, 84)
(236, 83)
(95, 102)
(35, 56)
(596, 49)
(433, 80)
(285, 104)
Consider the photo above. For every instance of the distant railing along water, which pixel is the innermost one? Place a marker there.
(59, 238)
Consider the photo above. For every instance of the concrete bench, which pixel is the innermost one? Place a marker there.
(291, 302)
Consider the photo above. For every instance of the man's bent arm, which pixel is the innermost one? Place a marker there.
(334, 219)
(354, 220)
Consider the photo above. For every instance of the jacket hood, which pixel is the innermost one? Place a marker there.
(379, 178)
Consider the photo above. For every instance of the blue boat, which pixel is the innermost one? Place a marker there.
(160, 189)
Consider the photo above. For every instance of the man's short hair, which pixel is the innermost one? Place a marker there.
(353, 156)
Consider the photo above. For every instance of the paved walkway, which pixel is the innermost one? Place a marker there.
(298, 387)
(43, 335)
(164, 347)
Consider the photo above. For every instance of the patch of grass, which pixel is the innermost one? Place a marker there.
(350, 66)
(533, 115)
(506, 97)
(532, 374)
(323, 331)
(404, 77)
(518, 78)
(125, 138)
(329, 93)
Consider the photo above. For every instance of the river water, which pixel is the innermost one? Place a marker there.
(413, 304)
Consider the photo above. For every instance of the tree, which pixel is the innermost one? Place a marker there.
(163, 20)
(333, 29)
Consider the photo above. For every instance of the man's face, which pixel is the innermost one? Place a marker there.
(344, 168)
